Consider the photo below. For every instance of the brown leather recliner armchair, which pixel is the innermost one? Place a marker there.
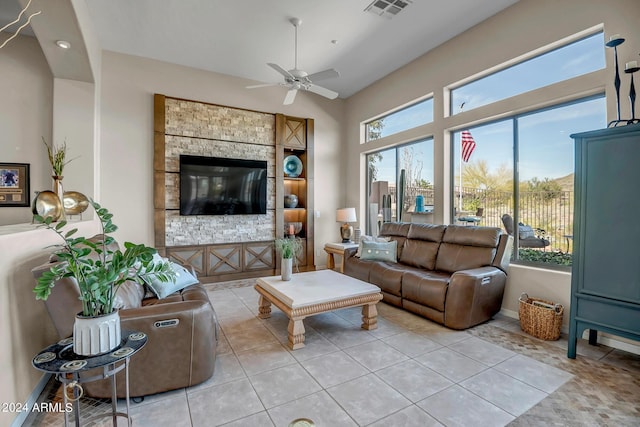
(182, 333)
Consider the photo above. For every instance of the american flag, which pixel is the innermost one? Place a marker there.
(468, 145)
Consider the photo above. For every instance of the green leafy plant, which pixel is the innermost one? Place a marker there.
(553, 257)
(288, 247)
(57, 156)
(98, 269)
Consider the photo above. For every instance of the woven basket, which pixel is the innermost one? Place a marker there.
(540, 318)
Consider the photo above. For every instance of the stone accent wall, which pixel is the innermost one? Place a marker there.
(209, 130)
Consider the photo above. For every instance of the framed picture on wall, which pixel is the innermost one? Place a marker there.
(14, 185)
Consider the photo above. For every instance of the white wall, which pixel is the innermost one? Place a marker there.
(128, 85)
(26, 85)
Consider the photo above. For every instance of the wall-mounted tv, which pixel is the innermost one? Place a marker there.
(219, 186)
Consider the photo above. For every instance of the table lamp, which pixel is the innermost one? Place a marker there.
(346, 215)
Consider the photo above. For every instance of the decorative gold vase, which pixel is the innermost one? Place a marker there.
(59, 190)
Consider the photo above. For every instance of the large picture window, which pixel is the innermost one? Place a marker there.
(534, 201)
(417, 114)
(390, 201)
(569, 61)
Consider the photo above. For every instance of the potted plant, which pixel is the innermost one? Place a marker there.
(288, 248)
(58, 160)
(99, 270)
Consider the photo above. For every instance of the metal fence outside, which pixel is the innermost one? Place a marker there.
(551, 212)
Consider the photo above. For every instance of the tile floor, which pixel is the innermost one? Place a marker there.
(408, 372)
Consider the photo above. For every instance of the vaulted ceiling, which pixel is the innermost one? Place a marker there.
(240, 37)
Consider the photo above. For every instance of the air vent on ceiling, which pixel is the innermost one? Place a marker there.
(387, 8)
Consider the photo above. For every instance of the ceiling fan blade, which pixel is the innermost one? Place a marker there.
(322, 91)
(262, 85)
(323, 75)
(291, 95)
(280, 70)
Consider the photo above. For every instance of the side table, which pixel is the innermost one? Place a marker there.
(59, 359)
(337, 249)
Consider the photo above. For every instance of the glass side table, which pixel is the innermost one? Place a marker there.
(59, 359)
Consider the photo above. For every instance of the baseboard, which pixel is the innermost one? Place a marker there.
(605, 339)
(31, 400)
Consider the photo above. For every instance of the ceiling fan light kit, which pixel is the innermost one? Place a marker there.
(297, 79)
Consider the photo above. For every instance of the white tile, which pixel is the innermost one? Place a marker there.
(387, 328)
(169, 413)
(283, 385)
(537, 374)
(265, 358)
(413, 380)
(223, 344)
(368, 399)
(456, 406)
(220, 404)
(442, 335)
(334, 368)
(315, 345)
(318, 407)
(504, 391)
(261, 419)
(347, 336)
(375, 355)
(246, 339)
(227, 369)
(412, 416)
(451, 364)
(411, 343)
(482, 351)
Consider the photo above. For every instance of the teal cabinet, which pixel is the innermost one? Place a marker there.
(605, 281)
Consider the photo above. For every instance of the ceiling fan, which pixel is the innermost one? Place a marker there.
(297, 79)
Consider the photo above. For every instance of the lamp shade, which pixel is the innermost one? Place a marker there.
(346, 215)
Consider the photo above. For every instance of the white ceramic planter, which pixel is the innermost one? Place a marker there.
(96, 335)
(286, 268)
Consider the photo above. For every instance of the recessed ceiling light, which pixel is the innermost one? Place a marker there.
(63, 44)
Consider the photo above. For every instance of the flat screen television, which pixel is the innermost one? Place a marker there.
(219, 186)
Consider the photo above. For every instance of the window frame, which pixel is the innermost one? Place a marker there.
(516, 169)
(544, 50)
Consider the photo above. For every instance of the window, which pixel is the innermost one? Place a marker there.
(572, 60)
(384, 170)
(539, 193)
(415, 115)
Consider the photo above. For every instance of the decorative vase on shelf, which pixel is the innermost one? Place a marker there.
(59, 190)
(93, 335)
(290, 201)
(286, 269)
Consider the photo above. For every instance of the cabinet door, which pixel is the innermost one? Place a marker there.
(610, 217)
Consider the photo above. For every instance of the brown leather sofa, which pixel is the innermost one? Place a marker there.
(182, 335)
(453, 275)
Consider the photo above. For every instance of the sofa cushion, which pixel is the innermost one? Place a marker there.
(367, 238)
(183, 279)
(428, 232)
(525, 232)
(472, 236)
(418, 253)
(129, 295)
(387, 276)
(379, 251)
(452, 257)
(463, 248)
(395, 231)
(426, 288)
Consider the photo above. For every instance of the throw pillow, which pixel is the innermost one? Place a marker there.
(380, 251)
(128, 295)
(525, 232)
(184, 278)
(367, 238)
